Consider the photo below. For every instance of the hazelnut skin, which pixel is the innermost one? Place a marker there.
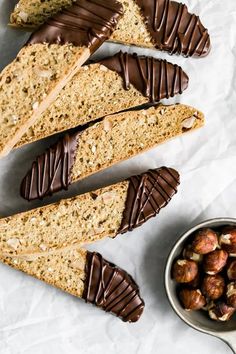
(192, 299)
(231, 294)
(195, 283)
(220, 311)
(205, 241)
(184, 270)
(215, 261)
(189, 254)
(231, 270)
(228, 240)
(213, 286)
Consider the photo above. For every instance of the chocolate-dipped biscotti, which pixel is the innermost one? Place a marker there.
(50, 58)
(112, 140)
(164, 24)
(111, 85)
(106, 212)
(85, 275)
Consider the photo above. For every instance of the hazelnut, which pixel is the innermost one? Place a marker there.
(184, 270)
(189, 254)
(205, 241)
(195, 283)
(192, 299)
(228, 240)
(220, 311)
(231, 270)
(231, 294)
(213, 286)
(215, 261)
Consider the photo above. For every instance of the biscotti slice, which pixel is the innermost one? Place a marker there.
(112, 140)
(164, 24)
(108, 86)
(86, 275)
(52, 55)
(106, 212)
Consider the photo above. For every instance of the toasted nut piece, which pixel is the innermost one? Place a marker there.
(220, 311)
(188, 122)
(231, 294)
(228, 240)
(231, 270)
(184, 270)
(189, 254)
(213, 286)
(215, 261)
(205, 241)
(192, 299)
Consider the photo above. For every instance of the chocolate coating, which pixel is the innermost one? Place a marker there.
(174, 29)
(86, 23)
(51, 171)
(147, 195)
(112, 289)
(155, 79)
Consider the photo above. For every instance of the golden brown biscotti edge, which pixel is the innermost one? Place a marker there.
(80, 273)
(90, 217)
(172, 28)
(62, 50)
(112, 84)
(114, 139)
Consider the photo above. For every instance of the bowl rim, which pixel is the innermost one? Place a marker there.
(168, 265)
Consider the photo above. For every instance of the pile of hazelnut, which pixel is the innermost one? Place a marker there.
(207, 273)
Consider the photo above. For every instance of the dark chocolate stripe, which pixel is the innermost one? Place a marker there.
(155, 79)
(86, 23)
(51, 171)
(174, 29)
(147, 195)
(112, 289)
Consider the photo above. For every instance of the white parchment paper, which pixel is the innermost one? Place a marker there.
(36, 318)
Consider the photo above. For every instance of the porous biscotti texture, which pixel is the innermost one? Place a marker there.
(33, 13)
(127, 134)
(64, 270)
(73, 221)
(131, 28)
(93, 92)
(30, 83)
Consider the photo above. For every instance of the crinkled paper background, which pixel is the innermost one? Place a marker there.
(36, 318)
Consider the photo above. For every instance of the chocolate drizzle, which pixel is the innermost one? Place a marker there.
(112, 289)
(86, 23)
(51, 171)
(155, 79)
(174, 29)
(147, 195)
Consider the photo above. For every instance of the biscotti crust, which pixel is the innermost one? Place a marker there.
(114, 84)
(83, 99)
(77, 220)
(86, 275)
(29, 83)
(114, 139)
(49, 59)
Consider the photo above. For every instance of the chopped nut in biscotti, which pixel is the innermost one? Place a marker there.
(205, 241)
(215, 261)
(184, 271)
(188, 122)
